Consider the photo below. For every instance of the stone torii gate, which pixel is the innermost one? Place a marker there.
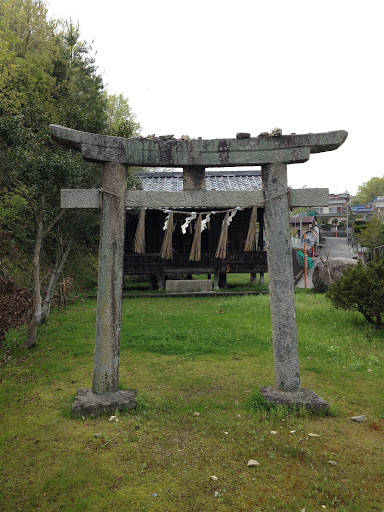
(273, 153)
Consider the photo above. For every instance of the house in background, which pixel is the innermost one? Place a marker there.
(337, 209)
(378, 206)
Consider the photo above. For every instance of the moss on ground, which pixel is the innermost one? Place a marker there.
(188, 356)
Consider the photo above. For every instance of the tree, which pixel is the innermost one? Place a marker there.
(121, 121)
(47, 75)
(372, 235)
(361, 288)
(368, 190)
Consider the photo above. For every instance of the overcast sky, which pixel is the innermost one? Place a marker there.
(213, 68)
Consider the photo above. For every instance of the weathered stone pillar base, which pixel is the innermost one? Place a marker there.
(88, 403)
(301, 398)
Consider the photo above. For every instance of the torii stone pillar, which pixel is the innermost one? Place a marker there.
(273, 153)
(281, 286)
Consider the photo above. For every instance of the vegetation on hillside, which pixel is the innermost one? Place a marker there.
(48, 75)
(368, 190)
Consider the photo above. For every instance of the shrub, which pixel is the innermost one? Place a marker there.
(361, 289)
(15, 305)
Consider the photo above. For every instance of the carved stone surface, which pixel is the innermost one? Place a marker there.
(109, 297)
(300, 398)
(88, 403)
(90, 198)
(280, 271)
(188, 285)
(200, 153)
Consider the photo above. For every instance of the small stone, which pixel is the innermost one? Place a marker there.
(273, 431)
(309, 357)
(263, 134)
(113, 418)
(359, 418)
(332, 463)
(226, 433)
(185, 137)
(242, 135)
(216, 494)
(155, 495)
(323, 506)
(276, 132)
(98, 435)
(293, 431)
(369, 370)
(214, 478)
(196, 414)
(313, 435)
(238, 416)
(253, 462)
(166, 137)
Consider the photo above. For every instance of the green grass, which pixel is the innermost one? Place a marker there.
(187, 355)
(235, 283)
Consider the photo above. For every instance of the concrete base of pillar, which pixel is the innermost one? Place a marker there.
(301, 398)
(88, 403)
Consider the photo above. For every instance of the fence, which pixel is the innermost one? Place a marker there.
(376, 253)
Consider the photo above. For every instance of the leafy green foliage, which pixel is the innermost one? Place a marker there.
(372, 235)
(48, 76)
(361, 289)
(121, 121)
(369, 190)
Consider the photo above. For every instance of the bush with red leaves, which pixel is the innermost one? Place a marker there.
(16, 304)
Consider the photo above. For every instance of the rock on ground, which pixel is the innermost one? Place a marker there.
(325, 274)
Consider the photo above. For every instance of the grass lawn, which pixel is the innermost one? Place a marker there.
(235, 282)
(197, 364)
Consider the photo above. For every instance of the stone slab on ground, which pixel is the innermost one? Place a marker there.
(188, 285)
(88, 403)
(301, 398)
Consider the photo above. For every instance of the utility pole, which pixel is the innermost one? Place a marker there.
(347, 220)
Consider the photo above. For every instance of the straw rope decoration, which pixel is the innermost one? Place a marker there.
(250, 244)
(139, 242)
(195, 254)
(221, 250)
(166, 252)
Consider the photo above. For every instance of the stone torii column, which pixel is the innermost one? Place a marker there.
(273, 153)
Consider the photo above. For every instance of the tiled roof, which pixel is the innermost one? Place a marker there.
(296, 220)
(215, 180)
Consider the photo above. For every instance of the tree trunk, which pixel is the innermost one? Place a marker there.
(30, 342)
(367, 317)
(59, 263)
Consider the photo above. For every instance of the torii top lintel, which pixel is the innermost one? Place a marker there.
(287, 149)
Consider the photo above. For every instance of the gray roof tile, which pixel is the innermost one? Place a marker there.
(215, 180)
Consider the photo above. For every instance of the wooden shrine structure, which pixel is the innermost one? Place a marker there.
(273, 153)
(239, 258)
